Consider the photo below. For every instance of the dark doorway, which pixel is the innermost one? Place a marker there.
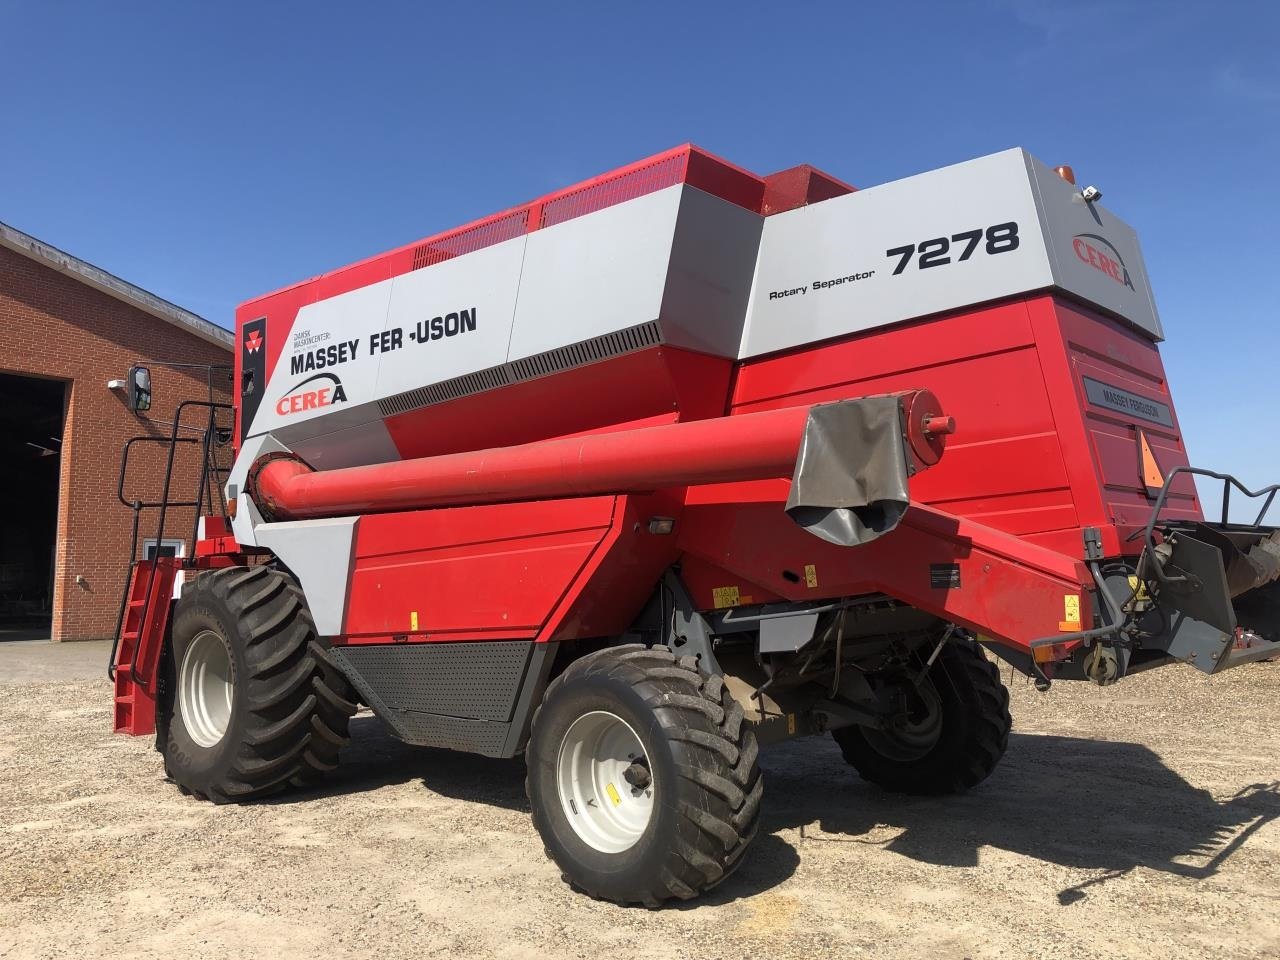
(31, 418)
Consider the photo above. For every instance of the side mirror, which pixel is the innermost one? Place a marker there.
(139, 389)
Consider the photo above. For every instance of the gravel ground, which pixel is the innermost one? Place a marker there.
(1137, 821)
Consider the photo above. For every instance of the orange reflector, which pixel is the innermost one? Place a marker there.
(231, 507)
(1152, 475)
(1053, 651)
(1066, 173)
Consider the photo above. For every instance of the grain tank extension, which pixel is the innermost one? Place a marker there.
(679, 462)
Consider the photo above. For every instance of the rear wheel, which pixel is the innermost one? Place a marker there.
(642, 779)
(250, 702)
(950, 735)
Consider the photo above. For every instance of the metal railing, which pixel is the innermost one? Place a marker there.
(208, 493)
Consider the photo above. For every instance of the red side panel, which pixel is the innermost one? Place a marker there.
(1078, 346)
(959, 570)
(549, 570)
(470, 573)
(1003, 466)
(1033, 455)
(619, 579)
(658, 385)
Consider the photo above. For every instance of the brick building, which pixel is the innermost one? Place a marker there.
(67, 329)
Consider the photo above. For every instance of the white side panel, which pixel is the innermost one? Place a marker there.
(713, 257)
(349, 447)
(794, 300)
(433, 311)
(599, 273)
(380, 340)
(1095, 254)
(245, 521)
(319, 554)
(337, 330)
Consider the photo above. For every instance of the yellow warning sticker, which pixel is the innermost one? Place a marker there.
(413, 619)
(725, 596)
(810, 576)
(1071, 607)
(1070, 613)
(1139, 588)
(612, 791)
(791, 724)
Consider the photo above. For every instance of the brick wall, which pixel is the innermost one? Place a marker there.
(52, 325)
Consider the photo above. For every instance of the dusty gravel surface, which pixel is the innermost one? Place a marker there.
(1138, 821)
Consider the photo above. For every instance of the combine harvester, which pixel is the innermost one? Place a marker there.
(680, 461)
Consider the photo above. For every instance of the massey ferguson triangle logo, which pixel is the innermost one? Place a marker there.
(1109, 261)
(313, 393)
(253, 341)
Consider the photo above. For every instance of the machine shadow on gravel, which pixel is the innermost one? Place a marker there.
(1084, 804)
(376, 759)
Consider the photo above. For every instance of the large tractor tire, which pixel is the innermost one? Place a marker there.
(250, 703)
(952, 737)
(642, 776)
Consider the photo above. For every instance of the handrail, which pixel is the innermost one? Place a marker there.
(1228, 481)
(203, 486)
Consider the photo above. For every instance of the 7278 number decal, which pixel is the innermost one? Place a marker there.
(1000, 238)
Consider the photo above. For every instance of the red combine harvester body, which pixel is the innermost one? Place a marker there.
(680, 460)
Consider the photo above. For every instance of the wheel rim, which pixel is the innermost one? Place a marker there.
(914, 731)
(606, 785)
(205, 689)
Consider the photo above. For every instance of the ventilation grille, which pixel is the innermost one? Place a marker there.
(562, 358)
(588, 351)
(619, 187)
(486, 233)
(463, 386)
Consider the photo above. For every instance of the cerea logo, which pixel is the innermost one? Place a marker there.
(313, 393)
(1107, 260)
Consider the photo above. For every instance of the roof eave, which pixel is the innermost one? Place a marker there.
(113, 286)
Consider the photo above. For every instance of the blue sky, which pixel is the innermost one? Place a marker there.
(211, 152)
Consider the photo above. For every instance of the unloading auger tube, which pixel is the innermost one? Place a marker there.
(849, 462)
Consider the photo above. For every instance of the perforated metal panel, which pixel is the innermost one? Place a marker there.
(589, 351)
(575, 355)
(456, 695)
(476, 681)
(463, 386)
(624, 185)
(477, 236)
(452, 733)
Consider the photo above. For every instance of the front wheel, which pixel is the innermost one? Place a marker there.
(642, 776)
(250, 703)
(950, 735)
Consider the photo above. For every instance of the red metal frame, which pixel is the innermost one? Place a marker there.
(142, 635)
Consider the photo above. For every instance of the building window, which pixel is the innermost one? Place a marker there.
(168, 548)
